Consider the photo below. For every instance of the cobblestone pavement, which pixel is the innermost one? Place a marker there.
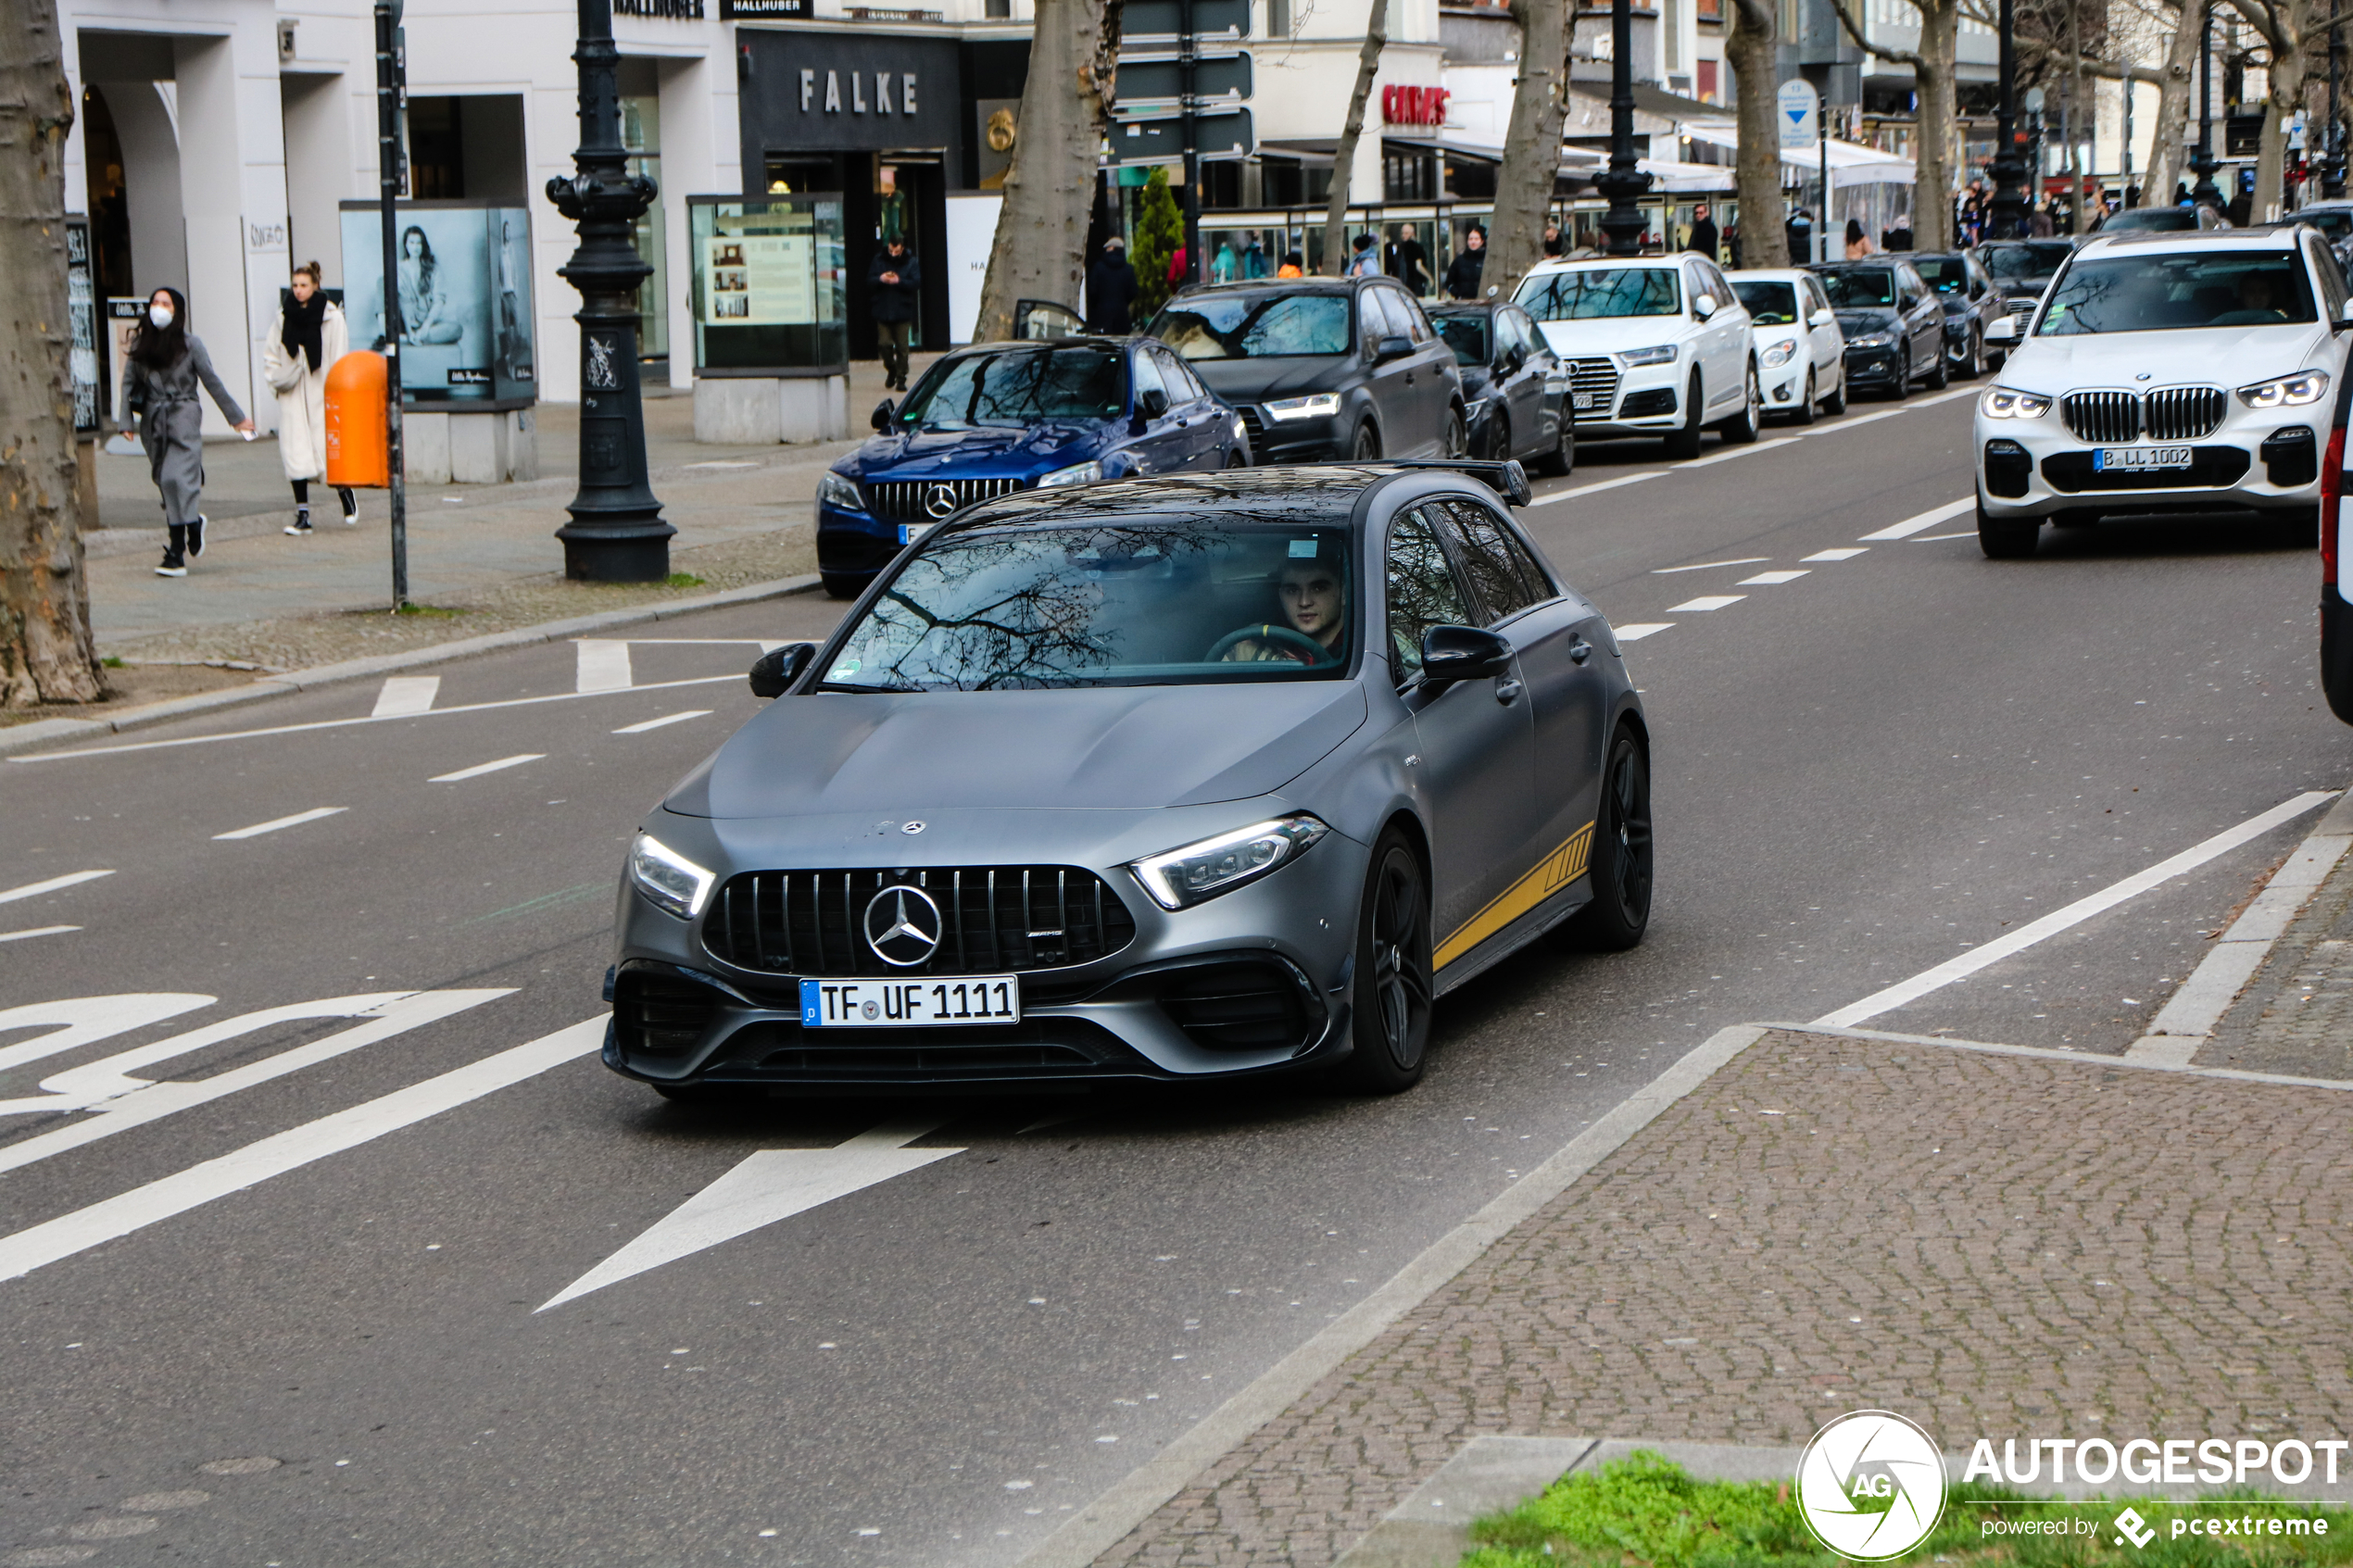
(2295, 1016)
(1991, 1245)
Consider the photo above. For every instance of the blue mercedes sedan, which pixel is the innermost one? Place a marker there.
(1001, 417)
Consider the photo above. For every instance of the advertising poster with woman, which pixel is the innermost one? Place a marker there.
(463, 288)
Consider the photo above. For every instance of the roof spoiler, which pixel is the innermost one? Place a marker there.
(1506, 478)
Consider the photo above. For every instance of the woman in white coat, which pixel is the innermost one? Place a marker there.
(309, 339)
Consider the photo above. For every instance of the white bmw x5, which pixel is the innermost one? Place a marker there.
(2164, 373)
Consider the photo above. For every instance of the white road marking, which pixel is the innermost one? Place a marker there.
(1855, 420)
(604, 665)
(294, 822)
(1707, 565)
(479, 769)
(773, 1185)
(84, 1019)
(1771, 579)
(161, 1199)
(1849, 553)
(1728, 452)
(1940, 538)
(1906, 992)
(1705, 602)
(721, 463)
(37, 931)
(678, 718)
(120, 1102)
(346, 723)
(1604, 484)
(1924, 521)
(1946, 396)
(706, 642)
(405, 695)
(34, 890)
(1640, 630)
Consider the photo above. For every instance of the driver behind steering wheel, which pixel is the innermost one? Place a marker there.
(1313, 596)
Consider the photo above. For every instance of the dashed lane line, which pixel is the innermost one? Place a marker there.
(198, 1185)
(280, 823)
(1923, 521)
(604, 665)
(1707, 565)
(481, 767)
(37, 931)
(1604, 484)
(1906, 992)
(405, 695)
(1771, 579)
(1940, 538)
(1704, 603)
(1727, 454)
(1847, 554)
(679, 718)
(1640, 630)
(34, 890)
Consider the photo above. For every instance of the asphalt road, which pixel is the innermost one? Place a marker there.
(332, 1260)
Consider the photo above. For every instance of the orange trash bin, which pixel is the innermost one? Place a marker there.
(357, 438)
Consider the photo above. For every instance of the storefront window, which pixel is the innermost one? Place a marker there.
(768, 284)
(641, 133)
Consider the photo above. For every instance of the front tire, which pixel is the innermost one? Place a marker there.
(1684, 443)
(1835, 403)
(1941, 377)
(1806, 405)
(1456, 441)
(2004, 540)
(1620, 865)
(841, 584)
(1562, 460)
(1742, 427)
(1976, 366)
(1365, 448)
(1903, 375)
(1392, 991)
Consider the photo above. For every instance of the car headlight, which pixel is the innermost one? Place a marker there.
(1077, 474)
(1664, 354)
(1199, 871)
(1317, 406)
(676, 884)
(1779, 354)
(2286, 392)
(2009, 403)
(1872, 340)
(834, 490)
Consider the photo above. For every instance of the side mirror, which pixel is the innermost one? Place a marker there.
(1463, 653)
(1393, 347)
(2001, 331)
(1702, 306)
(1514, 358)
(883, 412)
(1151, 403)
(1824, 318)
(773, 673)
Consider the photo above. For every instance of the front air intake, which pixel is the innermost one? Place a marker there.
(2101, 416)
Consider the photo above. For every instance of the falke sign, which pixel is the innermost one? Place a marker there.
(836, 100)
(1414, 105)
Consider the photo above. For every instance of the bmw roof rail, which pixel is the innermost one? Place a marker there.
(1506, 478)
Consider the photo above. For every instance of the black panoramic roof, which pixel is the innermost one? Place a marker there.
(1321, 493)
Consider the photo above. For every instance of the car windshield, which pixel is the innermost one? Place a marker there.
(1945, 274)
(1768, 304)
(1600, 293)
(2152, 293)
(1868, 288)
(2334, 221)
(1018, 387)
(1254, 326)
(2023, 263)
(1466, 335)
(2166, 219)
(1142, 602)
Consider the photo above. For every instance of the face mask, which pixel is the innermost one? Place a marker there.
(160, 314)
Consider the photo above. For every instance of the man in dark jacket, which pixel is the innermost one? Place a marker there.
(892, 284)
(1799, 231)
(1111, 290)
(1705, 238)
(1461, 277)
(1406, 260)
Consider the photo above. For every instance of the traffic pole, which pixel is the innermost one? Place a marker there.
(390, 80)
(1185, 54)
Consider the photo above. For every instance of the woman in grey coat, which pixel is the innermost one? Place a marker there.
(167, 364)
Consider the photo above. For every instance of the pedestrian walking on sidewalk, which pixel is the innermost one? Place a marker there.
(891, 282)
(310, 337)
(167, 364)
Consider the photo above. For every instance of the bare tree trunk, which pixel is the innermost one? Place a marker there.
(1757, 164)
(1532, 145)
(1040, 251)
(2083, 125)
(1933, 75)
(2176, 124)
(1344, 160)
(46, 651)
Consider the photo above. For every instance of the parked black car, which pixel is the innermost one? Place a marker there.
(1322, 368)
(2334, 221)
(1971, 304)
(1515, 387)
(2021, 269)
(1894, 327)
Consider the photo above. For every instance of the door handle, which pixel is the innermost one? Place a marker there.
(1507, 690)
(1580, 651)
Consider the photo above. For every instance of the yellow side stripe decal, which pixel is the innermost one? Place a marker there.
(1555, 872)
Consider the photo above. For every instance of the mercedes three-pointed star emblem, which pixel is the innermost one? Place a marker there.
(940, 499)
(902, 926)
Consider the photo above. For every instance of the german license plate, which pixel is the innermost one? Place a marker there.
(911, 531)
(2139, 459)
(1581, 400)
(909, 1004)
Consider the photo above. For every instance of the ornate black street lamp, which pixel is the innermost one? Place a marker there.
(1622, 182)
(2204, 163)
(616, 533)
(2010, 167)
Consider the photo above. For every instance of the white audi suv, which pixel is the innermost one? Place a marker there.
(2165, 373)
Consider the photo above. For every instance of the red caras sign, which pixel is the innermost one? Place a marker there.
(1414, 105)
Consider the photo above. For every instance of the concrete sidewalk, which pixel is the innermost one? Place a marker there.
(1996, 1242)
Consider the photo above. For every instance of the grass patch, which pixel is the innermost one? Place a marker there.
(1643, 1511)
(684, 580)
(431, 611)
(113, 663)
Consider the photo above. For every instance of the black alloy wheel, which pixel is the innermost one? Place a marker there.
(1365, 448)
(1457, 437)
(1806, 405)
(1976, 362)
(1236, 459)
(1621, 860)
(2003, 539)
(1562, 460)
(1499, 439)
(1941, 377)
(1684, 443)
(1903, 375)
(1743, 427)
(1835, 403)
(1392, 989)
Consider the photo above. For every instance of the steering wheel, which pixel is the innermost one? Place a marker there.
(1317, 652)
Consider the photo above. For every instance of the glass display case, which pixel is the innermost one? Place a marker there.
(768, 285)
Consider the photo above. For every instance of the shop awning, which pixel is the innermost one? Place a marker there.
(1850, 164)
